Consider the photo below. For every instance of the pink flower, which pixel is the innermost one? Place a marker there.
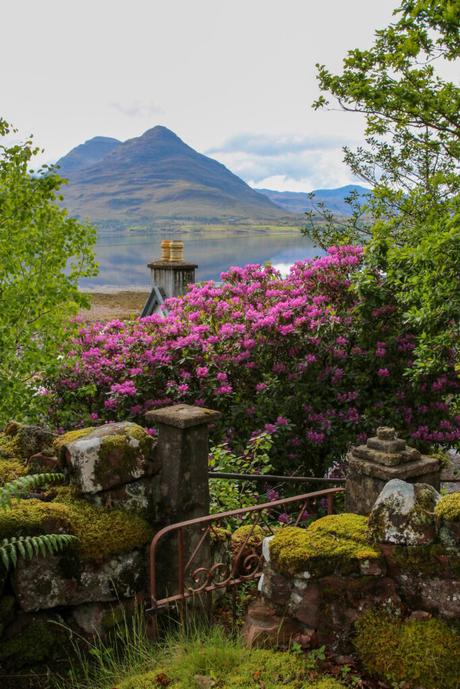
(383, 373)
(202, 371)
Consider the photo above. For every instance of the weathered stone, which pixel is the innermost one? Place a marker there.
(264, 628)
(142, 497)
(440, 597)
(276, 587)
(43, 583)
(96, 619)
(305, 605)
(383, 458)
(404, 514)
(183, 416)
(108, 456)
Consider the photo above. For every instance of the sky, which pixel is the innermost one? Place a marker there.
(234, 79)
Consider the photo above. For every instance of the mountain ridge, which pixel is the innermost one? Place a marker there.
(157, 176)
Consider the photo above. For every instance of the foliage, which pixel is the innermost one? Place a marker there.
(302, 355)
(43, 255)
(24, 484)
(411, 161)
(424, 654)
(226, 494)
(14, 546)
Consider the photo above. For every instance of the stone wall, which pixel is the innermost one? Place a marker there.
(318, 581)
(121, 485)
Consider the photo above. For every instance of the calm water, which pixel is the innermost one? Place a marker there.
(123, 258)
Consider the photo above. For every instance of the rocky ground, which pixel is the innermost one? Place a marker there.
(108, 305)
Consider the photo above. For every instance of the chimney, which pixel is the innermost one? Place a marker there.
(171, 273)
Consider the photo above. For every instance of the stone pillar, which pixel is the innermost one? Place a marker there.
(171, 273)
(382, 459)
(183, 456)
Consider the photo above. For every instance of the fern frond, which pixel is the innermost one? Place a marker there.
(30, 546)
(23, 484)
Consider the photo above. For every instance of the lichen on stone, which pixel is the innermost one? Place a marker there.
(421, 653)
(335, 541)
(448, 508)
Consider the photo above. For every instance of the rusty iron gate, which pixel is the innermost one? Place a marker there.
(198, 571)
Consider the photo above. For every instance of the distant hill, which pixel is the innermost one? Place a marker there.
(155, 177)
(84, 155)
(298, 202)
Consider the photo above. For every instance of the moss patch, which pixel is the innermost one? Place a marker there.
(425, 654)
(8, 448)
(335, 541)
(100, 532)
(448, 508)
(225, 664)
(248, 534)
(11, 469)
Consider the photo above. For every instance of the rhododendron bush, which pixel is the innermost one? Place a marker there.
(304, 356)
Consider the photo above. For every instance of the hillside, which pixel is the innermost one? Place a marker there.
(155, 177)
(299, 202)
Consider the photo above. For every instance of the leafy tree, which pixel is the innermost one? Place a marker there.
(411, 161)
(43, 255)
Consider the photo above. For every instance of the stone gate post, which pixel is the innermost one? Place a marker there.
(385, 457)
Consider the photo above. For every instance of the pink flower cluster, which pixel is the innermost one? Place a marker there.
(298, 352)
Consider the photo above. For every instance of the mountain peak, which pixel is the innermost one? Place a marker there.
(160, 133)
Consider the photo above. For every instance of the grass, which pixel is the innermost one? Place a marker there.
(194, 659)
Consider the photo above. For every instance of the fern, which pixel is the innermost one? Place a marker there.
(24, 484)
(29, 546)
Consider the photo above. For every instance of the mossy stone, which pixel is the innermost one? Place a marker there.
(100, 532)
(421, 653)
(333, 543)
(106, 457)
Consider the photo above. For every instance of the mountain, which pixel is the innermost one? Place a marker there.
(84, 155)
(157, 177)
(298, 202)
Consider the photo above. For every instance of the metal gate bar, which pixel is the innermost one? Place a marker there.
(245, 562)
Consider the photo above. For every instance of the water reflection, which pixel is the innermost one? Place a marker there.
(123, 257)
